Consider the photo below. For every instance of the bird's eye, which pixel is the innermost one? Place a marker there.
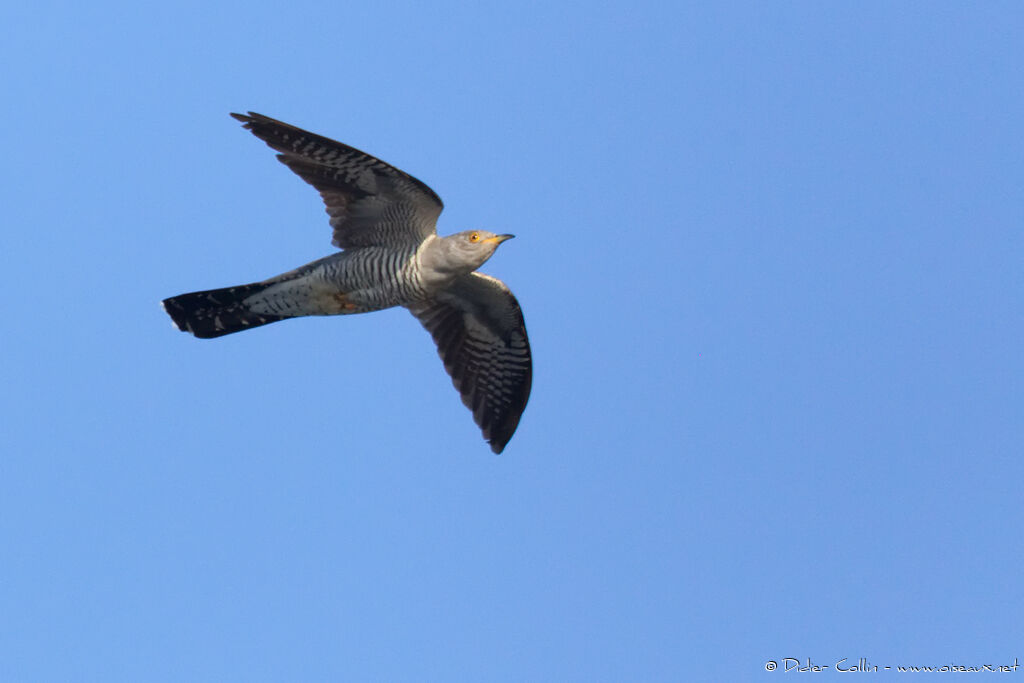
(474, 237)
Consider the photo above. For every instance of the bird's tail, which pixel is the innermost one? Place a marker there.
(217, 312)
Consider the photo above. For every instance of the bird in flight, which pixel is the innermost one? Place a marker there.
(384, 222)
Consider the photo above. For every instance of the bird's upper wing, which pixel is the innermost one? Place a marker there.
(481, 337)
(369, 202)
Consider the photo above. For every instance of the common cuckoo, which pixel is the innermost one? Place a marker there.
(384, 222)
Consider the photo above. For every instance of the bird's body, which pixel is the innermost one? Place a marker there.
(383, 219)
(358, 280)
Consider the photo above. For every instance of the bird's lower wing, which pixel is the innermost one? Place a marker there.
(481, 337)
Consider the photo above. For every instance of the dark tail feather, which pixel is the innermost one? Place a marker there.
(217, 312)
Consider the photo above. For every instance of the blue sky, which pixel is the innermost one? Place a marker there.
(770, 259)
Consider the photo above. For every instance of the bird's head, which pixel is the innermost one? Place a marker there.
(469, 249)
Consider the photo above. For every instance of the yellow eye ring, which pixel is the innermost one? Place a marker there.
(474, 237)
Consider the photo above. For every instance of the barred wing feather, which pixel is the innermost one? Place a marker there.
(481, 337)
(369, 201)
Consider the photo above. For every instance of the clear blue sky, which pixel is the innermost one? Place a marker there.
(770, 257)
